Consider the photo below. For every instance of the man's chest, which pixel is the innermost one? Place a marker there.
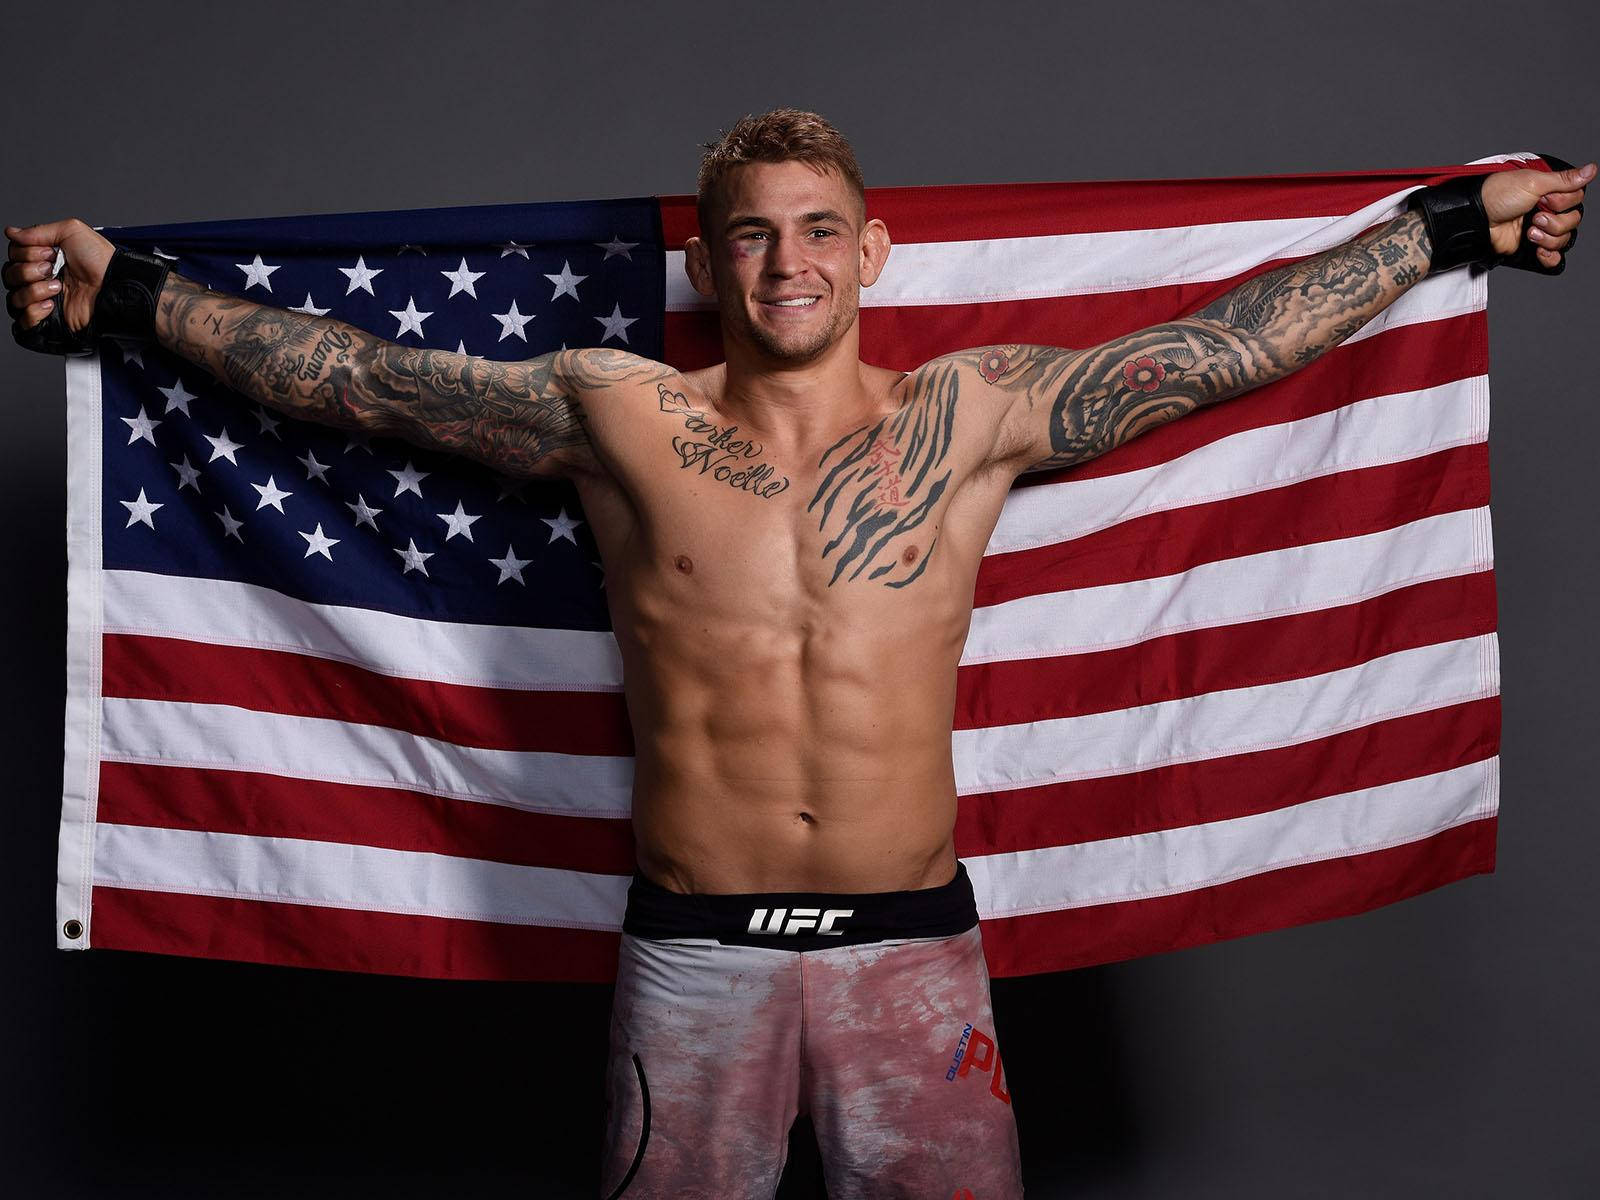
(877, 505)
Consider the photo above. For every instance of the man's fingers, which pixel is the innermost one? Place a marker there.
(1557, 222)
(1549, 241)
(24, 253)
(1561, 201)
(39, 235)
(33, 314)
(15, 273)
(1568, 181)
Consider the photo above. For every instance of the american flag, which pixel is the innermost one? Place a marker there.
(351, 704)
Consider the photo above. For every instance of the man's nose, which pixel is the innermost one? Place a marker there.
(785, 258)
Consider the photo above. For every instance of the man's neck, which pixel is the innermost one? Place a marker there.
(792, 403)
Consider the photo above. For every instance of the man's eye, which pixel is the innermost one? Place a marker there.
(823, 232)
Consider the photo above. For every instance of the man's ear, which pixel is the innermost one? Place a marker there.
(874, 251)
(697, 266)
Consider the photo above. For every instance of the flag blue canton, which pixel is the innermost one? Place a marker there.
(200, 481)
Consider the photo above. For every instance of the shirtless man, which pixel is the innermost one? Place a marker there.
(800, 935)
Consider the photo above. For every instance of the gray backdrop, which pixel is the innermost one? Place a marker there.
(1439, 1047)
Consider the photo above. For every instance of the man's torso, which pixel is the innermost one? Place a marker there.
(790, 618)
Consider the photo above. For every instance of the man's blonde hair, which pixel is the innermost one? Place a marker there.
(782, 135)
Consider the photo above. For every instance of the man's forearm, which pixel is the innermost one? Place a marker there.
(1285, 318)
(513, 415)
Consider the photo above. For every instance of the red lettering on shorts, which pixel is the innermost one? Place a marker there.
(981, 1053)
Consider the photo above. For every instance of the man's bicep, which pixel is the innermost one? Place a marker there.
(1068, 406)
(523, 418)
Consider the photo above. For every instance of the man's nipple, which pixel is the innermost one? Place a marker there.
(909, 555)
(684, 564)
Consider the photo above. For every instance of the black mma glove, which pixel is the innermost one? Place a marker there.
(125, 307)
(1459, 228)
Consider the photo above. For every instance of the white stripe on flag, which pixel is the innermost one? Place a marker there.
(1273, 583)
(222, 737)
(360, 877)
(242, 614)
(1368, 433)
(1195, 856)
(1225, 722)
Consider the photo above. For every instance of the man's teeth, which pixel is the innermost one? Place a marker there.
(794, 303)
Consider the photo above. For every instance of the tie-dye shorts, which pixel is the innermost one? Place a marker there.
(871, 1012)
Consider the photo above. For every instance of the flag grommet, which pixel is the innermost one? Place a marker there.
(73, 929)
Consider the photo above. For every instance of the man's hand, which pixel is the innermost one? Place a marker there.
(1509, 195)
(30, 290)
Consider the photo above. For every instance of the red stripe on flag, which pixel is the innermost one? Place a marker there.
(973, 212)
(341, 939)
(1247, 654)
(157, 668)
(1325, 508)
(171, 797)
(1338, 887)
(1228, 786)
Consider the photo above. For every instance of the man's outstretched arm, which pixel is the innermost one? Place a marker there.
(1071, 405)
(522, 418)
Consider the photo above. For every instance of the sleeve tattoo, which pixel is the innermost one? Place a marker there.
(1263, 329)
(512, 415)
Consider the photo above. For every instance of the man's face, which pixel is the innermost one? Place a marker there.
(788, 258)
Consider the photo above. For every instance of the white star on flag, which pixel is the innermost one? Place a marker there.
(462, 279)
(515, 248)
(512, 323)
(511, 566)
(364, 513)
(268, 422)
(616, 324)
(142, 427)
(407, 480)
(132, 352)
(230, 525)
(310, 308)
(221, 447)
(357, 441)
(187, 476)
(617, 246)
(316, 543)
(271, 494)
(360, 275)
(257, 272)
(459, 522)
(410, 319)
(566, 282)
(140, 510)
(414, 558)
(562, 527)
(314, 469)
(177, 397)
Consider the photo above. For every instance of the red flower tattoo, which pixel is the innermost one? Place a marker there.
(1143, 374)
(993, 366)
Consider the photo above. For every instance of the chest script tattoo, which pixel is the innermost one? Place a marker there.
(886, 480)
(715, 450)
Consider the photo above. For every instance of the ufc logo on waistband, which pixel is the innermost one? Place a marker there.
(800, 920)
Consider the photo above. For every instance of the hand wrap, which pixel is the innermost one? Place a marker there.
(1459, 228)
(124, 308)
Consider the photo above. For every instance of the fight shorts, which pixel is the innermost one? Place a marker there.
(870, 1012)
